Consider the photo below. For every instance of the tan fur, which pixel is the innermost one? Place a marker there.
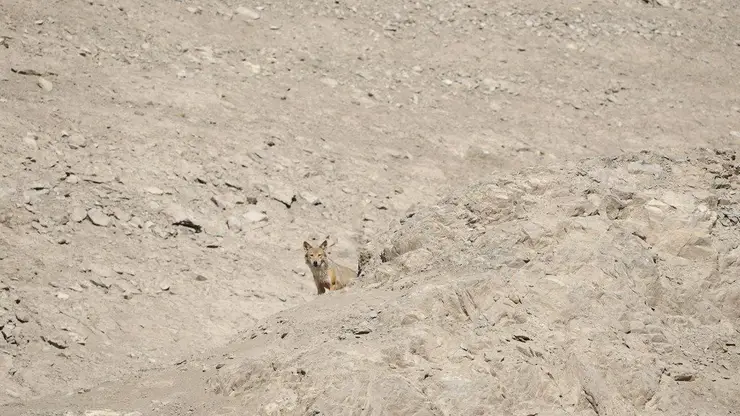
(326, 273)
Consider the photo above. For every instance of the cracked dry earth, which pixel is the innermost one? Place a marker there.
(544, 199)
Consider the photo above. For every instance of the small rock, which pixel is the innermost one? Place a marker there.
(610, 207)
(44, 84)
(234, 224)
(361, 330)
(76, 141)
(239, 199)
(233, 183)
(105, 412)
(99, 178)
(101, 282)
(72, 179)
(78, 214)
(154, 190)
(30, 141)
(77, 338)
(200, 278)
(55, 341)
(254, 68)
(641, 167)
(98, 218)
(102, 271)
(22, 317)
(215, 228)
(121, 269)
(330, 82)
(721, 183)
(282, 194)
(248, 13)
(39, 186)
(136, 222)
(684, 377)
(121, 215)
(180, 216)
(76, 287)
(164, 286)
(255, 216)
(310, 198)
(62, 296)
(222, 201)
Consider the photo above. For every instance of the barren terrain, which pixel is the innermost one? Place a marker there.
(544, 196)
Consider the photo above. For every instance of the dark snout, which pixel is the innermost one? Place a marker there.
(315, 263)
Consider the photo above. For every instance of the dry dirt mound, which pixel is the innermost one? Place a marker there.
(607, 287)
(604, 287)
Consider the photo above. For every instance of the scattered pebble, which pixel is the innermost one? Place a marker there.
(330, 82)
(248, 13)
(98, 217)
(684, 377)
(76, 141)
(121, 215)
(22, 317)
(30, 140)
(361, 330)
(282, 194)
(101, 282)
(44, 84)
(101, 270)
(310, 198)
(222, 201)
(255, 216)
(78, 214)
(234, 224)
(180, 216)
(55, 341)
(77, 338)
(104, 412)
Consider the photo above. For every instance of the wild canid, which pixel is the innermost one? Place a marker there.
(327, 274)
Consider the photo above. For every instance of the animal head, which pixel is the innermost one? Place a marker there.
(315, 256)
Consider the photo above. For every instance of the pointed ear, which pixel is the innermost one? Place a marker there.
(323, 245)
(306, 245)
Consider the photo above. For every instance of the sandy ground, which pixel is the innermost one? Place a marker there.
(546, 196)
